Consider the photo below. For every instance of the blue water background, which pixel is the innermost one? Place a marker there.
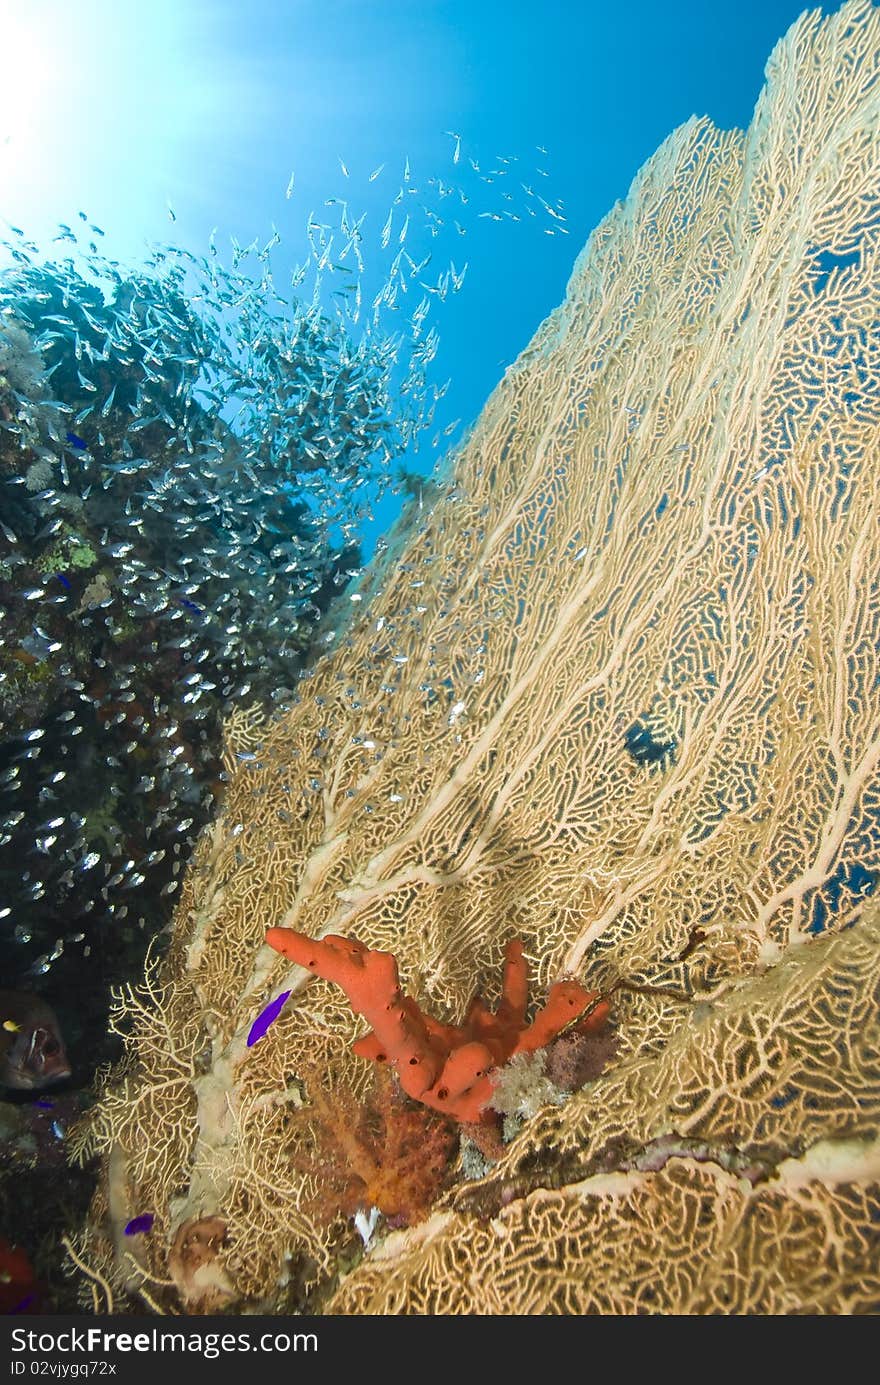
(171, 121)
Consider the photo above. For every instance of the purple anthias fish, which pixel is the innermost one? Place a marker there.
(32, 1053)
(266, 1017)
(138, 1225)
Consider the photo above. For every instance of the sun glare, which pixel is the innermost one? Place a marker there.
(32, 94)
(118, 109)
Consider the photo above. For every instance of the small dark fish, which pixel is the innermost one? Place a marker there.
(140, 1224)
(266, 1017)
(190, 605)
(63, 580)
(76, 441)
(32, 1053)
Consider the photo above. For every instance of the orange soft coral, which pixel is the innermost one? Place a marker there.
(443, 1066)
(377, 1149)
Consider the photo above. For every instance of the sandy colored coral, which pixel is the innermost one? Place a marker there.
(665, 519)
(737, 1170)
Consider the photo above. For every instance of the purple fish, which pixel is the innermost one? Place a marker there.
(266, 1017)
(138, 1225)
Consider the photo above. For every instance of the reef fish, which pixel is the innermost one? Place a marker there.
(139, 1225)
(32, 1052)
(266, 1017)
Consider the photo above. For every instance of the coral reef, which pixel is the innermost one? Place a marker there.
(614, 690)
(734, 1168)
(142, 585)
(447, 1067)
(378, 1151)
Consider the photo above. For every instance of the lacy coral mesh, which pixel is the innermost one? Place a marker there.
(689, 1239)
(617, 684)
(737, 1170)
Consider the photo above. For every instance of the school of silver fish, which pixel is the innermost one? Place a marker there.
(188, 456)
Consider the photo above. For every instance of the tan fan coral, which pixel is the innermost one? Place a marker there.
(615, 693)
(736, 1171)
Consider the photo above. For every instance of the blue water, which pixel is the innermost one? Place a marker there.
(201, 111)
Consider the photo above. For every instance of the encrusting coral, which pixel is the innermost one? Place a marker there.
(613, 691)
